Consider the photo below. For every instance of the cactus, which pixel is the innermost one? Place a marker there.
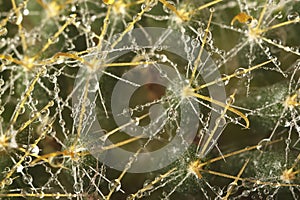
(149, 99)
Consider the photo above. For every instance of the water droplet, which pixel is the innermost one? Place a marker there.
(139, 194)
(163, 58)
(212, 9)
(293, 16)
(20, 168)
(41, 195)
(266, 191)
(53, 39)
(57, 195)
(279, 15)
(186, 38)
(220, 121)
(172, 114)
(232, 188)
(25, 12)
(240, 72)
(137, 17)
(163, 74)
(195, 42)
(207, 36)
(262, 144)
(159, 48)
(136, 121)
(288, 141)
(143, 6)
(27, 179)
(8, 181)
(62, 122)
(77, 187)
(230, 100)
(114, 185)
(28, 159)
(253, 23)
(146, 184)
(35, 150)
(16, 19)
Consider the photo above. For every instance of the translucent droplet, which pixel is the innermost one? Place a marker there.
(232, 188)
(262, 144)
(20, 168)
(163, 58)
(221, 121)
(230, 100)
(41, 195)
(212, 9)
(3, 31)
(195, 42)
(62, 122)
(53, 39)
(27, 179)
(25, 12)
(293, 16)
(137, 17)
(266, 191)
(28, 159)
(60, 61)
(57, 195)
(77, 187)
(279, 15)
(16, 19)
(35, 150)
(139, 194)
(73, 8)
(136, 121)
(163, 74)
(8, 181)
(172, 114)
(253, 23)
(146, 184)
(159, 48)
(240, 72)
(6, 170)
(143, 6)
(186, 38)
(208, 36)
(114, 185)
